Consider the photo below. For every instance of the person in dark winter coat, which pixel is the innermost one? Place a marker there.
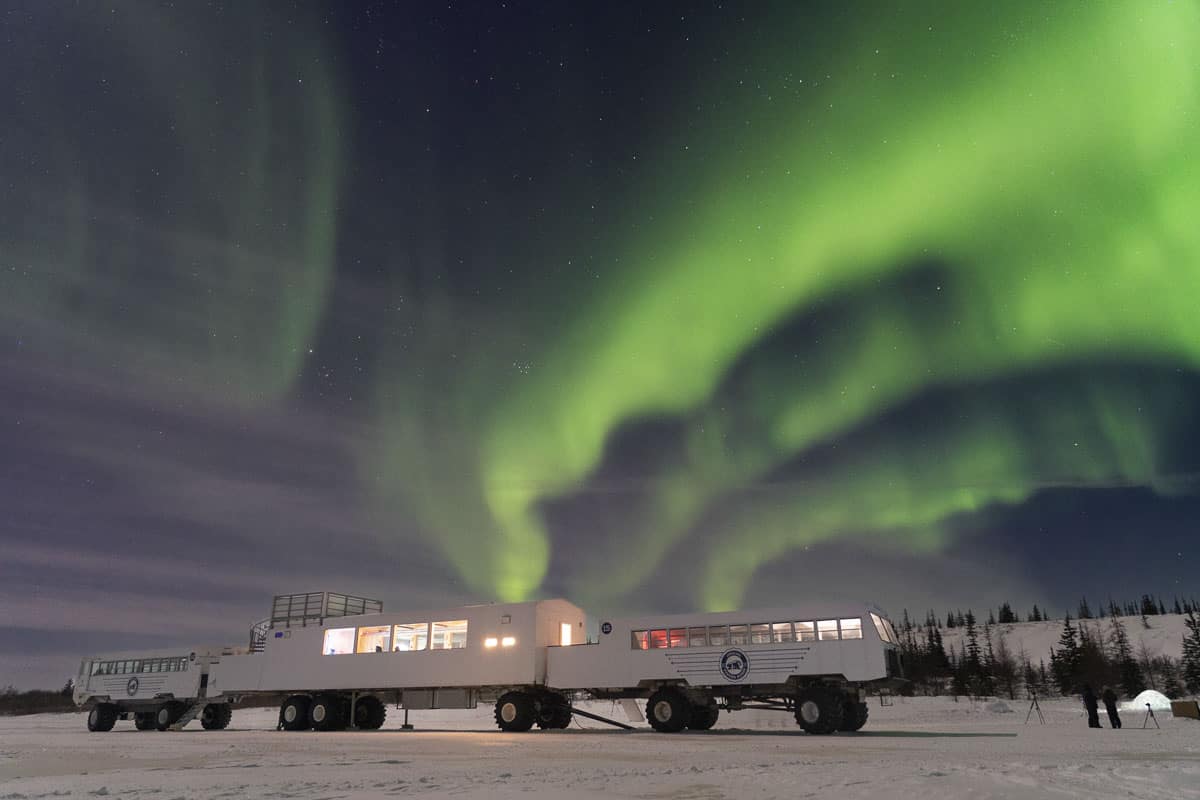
(1110, 705)
(1090, 703)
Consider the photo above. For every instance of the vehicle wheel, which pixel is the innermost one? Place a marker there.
(514, 712)
(216, 716)
(554, 713)
(369, 713)
(703, 717)
(293, 714)
(327, 713)
(144, 721)
(820, 710)
(668, 710)
(102, 717)
(167, 715)
(854, 716)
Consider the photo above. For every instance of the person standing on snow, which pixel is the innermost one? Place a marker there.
(1090, 703)
(1110, 705)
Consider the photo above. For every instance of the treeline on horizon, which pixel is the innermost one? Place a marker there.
(1093, 648)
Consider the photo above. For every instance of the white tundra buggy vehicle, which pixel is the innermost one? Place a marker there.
(818, 662)
(160, 690)
(338, 660)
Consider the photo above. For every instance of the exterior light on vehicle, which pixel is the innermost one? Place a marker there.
(489, 641)
(508, 641)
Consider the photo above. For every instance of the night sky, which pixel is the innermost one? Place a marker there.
(657, 306)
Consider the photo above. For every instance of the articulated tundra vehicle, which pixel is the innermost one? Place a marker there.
(340, 660)
(160, 690)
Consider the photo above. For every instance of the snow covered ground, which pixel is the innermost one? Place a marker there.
(922, 747)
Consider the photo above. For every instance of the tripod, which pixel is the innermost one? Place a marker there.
(1150, 716)
(1034, 706)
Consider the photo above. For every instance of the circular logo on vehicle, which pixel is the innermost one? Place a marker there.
(606, 628)
(734, 665)
(132, 686)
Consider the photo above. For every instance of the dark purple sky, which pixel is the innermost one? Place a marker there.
(295, 300)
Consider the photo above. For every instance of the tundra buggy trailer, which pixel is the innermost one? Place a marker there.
(160, 690)
(818, 662)
(343, 670)
(339, 660)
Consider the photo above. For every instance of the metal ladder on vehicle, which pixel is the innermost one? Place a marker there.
(189, 714)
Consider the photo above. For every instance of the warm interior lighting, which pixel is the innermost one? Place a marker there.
(508, 641)
(489, 641)
(564, 634)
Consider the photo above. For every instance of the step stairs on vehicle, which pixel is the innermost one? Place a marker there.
(189, 714)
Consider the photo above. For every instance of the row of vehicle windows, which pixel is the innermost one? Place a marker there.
(447, 635)
(139, 666)
(756, 633)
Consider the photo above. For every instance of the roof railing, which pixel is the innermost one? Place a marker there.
(289, 609)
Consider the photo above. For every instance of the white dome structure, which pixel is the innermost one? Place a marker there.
(1157, 700)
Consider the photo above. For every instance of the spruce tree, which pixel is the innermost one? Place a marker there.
(1128, 671)
(1176, 609)
(1085, 611)
(1191, 653)
(1065, 661)
(1006, 616)
(1029, 675)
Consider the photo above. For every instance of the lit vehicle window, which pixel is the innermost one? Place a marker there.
(658, 640)
(337, 642)
(376, 639)
(851, 628)
(739, 634)
(827, 630)
(718, 635)
(806, 631)
(882, 631)
(640, 640)
(697, 637)
(411, 636)
(679, 637)
(781, 631)
(449, 635)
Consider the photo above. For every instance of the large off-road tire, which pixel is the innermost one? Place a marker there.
(515, 712)
(327, 712)
(668, 710)
(144, 721)
(369, 713)
(820, 710)
(703, 717)
(854, 716)
(216, 716)
(553, 713)
(293, 714)
(168, 714)
(102, 717)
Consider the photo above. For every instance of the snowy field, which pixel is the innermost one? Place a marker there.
(922, 748)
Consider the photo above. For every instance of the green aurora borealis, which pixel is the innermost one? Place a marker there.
(935, 261)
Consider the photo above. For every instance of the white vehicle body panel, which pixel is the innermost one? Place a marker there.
(143, 676)
(293, 658)
(614, 663)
